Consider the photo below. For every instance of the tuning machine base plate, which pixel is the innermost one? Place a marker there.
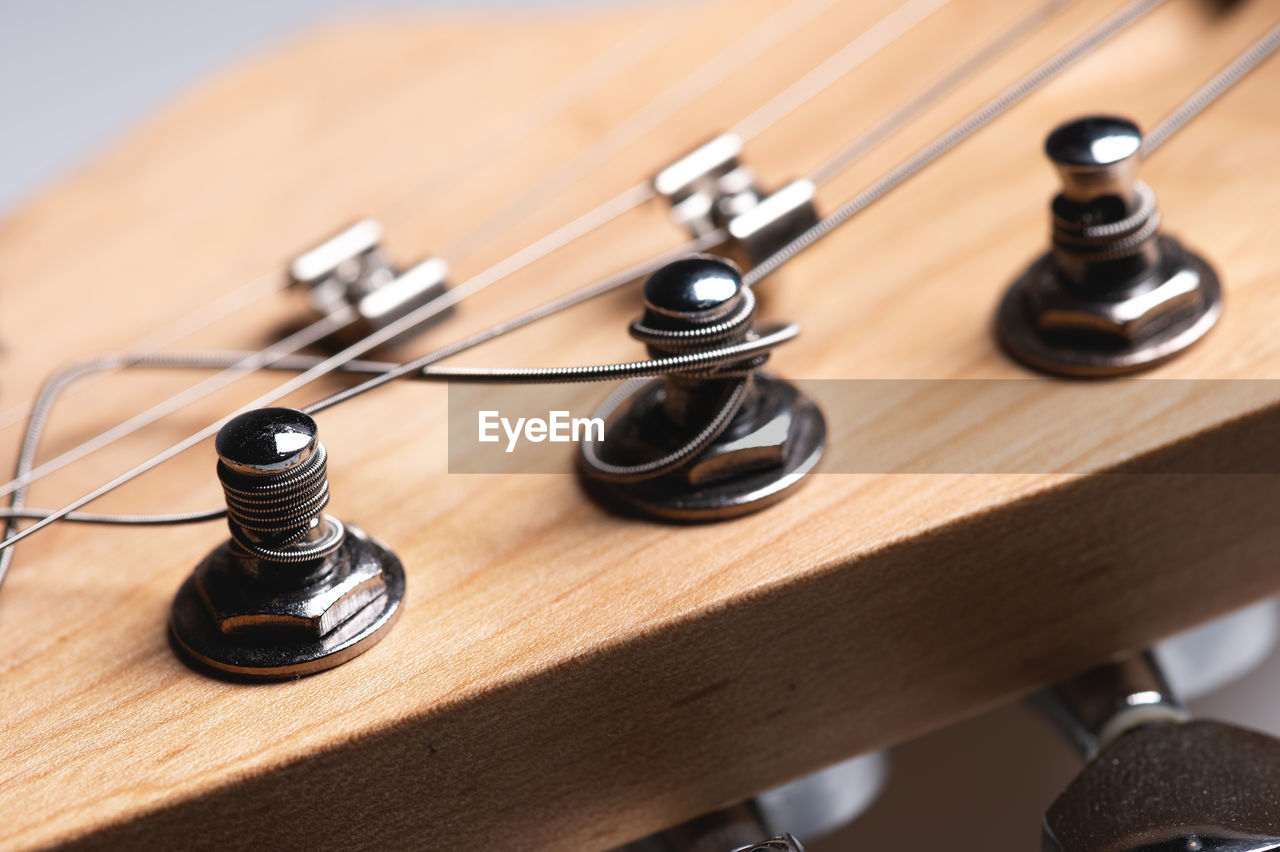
(763, 457)
(261, 653)
(1025, 328)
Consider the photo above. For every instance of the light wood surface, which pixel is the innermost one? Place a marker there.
(562, 678)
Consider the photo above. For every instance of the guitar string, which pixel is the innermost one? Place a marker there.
(26, 474)
(603, 67)
(606, 65)
(1107, 29)
(858, 50)
(620, 56)
(1096, 36)
(850, 57)
(770, 32)
(1211, 91)
(169, 334)
(992, 109)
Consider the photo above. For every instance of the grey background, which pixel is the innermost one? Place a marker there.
(76, 73)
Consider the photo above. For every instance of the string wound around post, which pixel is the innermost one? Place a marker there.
(710, 188)
(708, 444)
(351, 271)
(293, 591)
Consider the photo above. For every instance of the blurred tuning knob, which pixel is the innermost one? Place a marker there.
(293, 591)
(733, 829)
(708, 444)
(1113, 295)
(349, 274)
(781, 843)
(1096, 158)
(814, 806)
(1157, 781)
(710, 188)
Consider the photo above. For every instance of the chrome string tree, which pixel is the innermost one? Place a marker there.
(293, 591)
(709, 443)
(1113, 295)
(350, 271)
(710, 188)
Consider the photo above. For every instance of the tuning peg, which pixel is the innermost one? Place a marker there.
(710, 188)
(781, 843)
(708, 444)
(813, 806)
(350, 272)
(1113, 295)
(293, 591)
(1155, 779)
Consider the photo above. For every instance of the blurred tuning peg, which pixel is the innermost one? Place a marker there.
(781, 843)
(812, 807)
(1157, 780)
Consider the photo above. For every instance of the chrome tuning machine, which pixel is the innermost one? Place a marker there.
(709, 443)
(710, 188)
(293, 591)
(350, 272)
(814, 806)
(1114, 295)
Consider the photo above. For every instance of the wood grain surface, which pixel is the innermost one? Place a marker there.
(563, 678)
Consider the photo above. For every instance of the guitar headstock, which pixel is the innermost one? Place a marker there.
(562, 674)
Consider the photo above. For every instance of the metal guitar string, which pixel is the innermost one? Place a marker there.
(940, 87)
(43, 408)
(872, 40)
(202, 317)
(40, 410)
(740, 53)
(248, 362)
(308, 363)
(857, 51)
(1211, 91)
(1109, 27)
(865, 45)
(988, 112)
(605, 65)
(1251, 58)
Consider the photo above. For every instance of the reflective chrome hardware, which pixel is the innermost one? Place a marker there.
(706, 445)
(1154, 780)
(710, 188)
(1095, 708)
(350, 271)
(735, 829)
(813, 806)
(293, 591)
(781, 843)
(1114, 295)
